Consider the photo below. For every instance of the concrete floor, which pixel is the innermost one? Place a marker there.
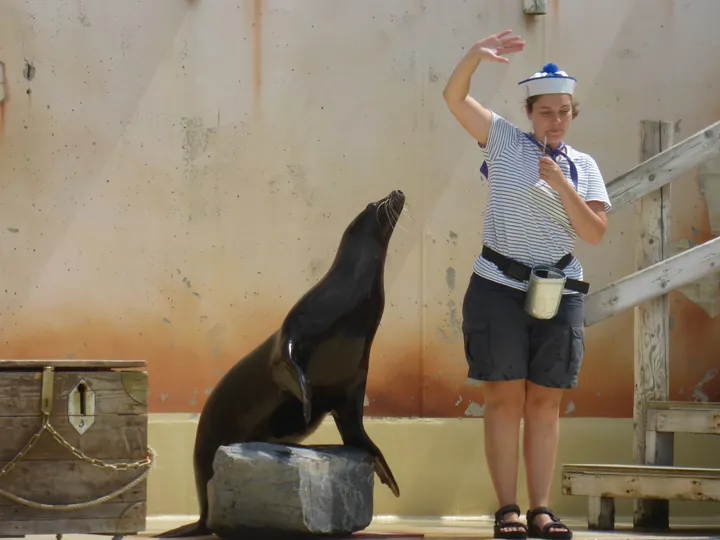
(482, 528)
(438, 529)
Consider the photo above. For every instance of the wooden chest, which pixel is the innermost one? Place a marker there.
(73, 447)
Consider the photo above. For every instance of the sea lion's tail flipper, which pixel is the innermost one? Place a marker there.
(191, 529)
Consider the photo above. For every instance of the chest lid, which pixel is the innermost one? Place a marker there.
(68, 364)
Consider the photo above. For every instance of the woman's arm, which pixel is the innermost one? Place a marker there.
(475, 118)
(588, 218)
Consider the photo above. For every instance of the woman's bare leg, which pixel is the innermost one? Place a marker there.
(540, 443)
(504, 403)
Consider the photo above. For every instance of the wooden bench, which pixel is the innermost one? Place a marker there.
(661, 482)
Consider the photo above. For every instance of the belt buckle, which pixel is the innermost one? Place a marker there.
(516, 271)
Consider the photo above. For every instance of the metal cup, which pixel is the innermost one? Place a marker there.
(545, 289)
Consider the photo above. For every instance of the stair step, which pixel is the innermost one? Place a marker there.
(685, 405)
(683, 417)
(602, 484)
(642, 482)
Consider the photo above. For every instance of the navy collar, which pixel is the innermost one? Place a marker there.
(553, 153)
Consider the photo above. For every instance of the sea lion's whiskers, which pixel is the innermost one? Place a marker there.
(396, 217)
(406, 210)
(377, 212)
(401, 228)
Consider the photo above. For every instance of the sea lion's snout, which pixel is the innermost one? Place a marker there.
(396, 199)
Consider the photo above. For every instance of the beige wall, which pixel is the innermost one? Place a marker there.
(176, 173)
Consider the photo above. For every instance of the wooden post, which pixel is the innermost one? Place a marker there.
(652, 349)
(2, 84)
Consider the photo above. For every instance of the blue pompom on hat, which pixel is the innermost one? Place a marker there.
(549, 80)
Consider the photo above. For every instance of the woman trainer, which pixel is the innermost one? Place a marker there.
(543, 194)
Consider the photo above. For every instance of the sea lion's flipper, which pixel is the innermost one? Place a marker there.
(290, 376)
(301, 389)
(349, 421)
(191, 529)
(382, 469)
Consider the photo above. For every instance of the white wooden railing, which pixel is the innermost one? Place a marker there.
(653, 281)
(661, 169)
(654, 173)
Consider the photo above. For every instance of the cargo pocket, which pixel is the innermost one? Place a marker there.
(577, 350)
(477, 350)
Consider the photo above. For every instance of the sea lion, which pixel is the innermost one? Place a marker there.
(315, 364)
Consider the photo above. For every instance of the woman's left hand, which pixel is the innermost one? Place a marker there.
(551, 173)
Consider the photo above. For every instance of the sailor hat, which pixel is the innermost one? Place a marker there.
(549, 80)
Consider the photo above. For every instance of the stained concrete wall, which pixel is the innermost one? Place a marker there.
(175, 174)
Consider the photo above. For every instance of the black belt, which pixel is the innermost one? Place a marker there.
(521, 271)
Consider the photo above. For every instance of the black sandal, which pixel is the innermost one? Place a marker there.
(502, 526)
(561, 530)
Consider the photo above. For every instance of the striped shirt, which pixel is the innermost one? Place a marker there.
(525, 218)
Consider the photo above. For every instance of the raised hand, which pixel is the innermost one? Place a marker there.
(494, 47)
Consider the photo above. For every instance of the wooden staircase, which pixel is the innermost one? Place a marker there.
(653, 479)
(655, 483)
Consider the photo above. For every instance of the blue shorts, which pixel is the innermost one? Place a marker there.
(503, 343)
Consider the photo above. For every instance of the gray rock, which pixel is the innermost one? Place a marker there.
(322, 489)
